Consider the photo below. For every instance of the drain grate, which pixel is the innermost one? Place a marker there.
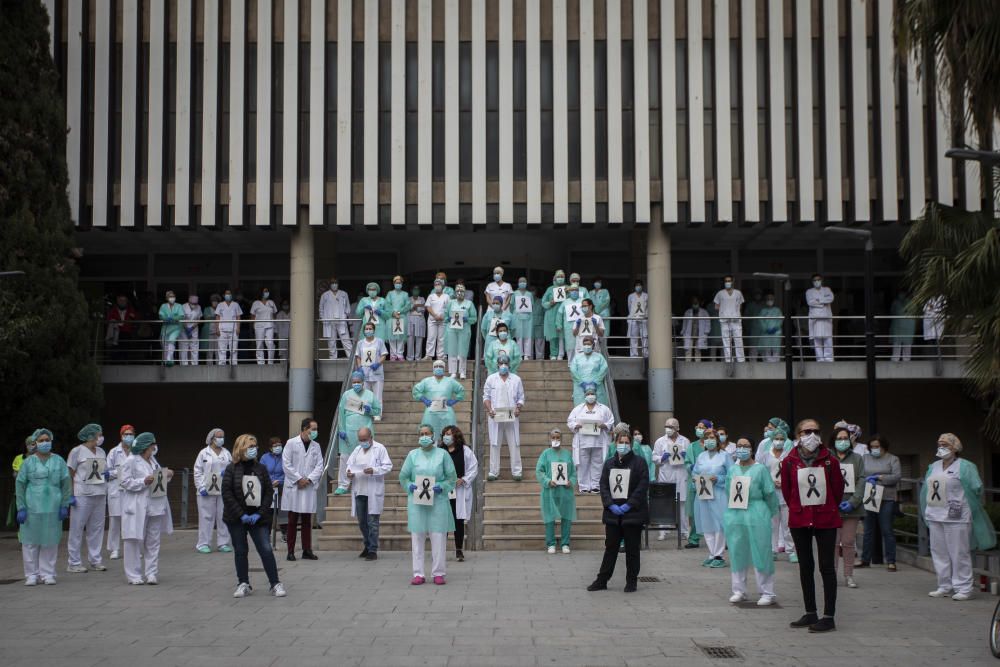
(721, 652)
(650, 580)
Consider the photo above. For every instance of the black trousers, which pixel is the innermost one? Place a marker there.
(459, 528)
(826, 549)
(613, 536)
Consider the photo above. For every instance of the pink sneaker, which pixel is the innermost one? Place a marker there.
(781, 550)
(417, 581)
(439, 581)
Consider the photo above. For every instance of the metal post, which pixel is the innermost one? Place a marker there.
(789, 354)
(870, 335)
(184, 498)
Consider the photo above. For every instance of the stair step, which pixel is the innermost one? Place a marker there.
(527, 527)
(536, 541)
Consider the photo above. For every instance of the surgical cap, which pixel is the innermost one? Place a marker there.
(397, 279)
(372, 286)
(357, 375)
(560, 272)
(621, 427)
(778, 423)
(126, 427)
(574, 277)
(211, 434)
(951, 440)
(40, 432)
(438, 364)
(590, 388)
(555, 431)
(674, 424)
(89, 432)
(498, 269)
(498, 299)
(707, 423)
(142, 442)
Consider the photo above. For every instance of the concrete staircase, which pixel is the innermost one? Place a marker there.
(398, 432)
(512, 515)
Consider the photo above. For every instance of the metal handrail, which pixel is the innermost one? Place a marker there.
(332, 445)
(923, 542)
(609, 387)
(479, 485)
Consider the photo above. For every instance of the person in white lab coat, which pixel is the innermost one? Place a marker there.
(227, 315)
(302, 462)
(504, 391)
(262, 312)
(934, 314)
(416, 325)
(668, 456)
(367, 467)
(638, 320)
(283, 330)
(209, 467)
(466, 471)
(437, 309)
(728, 302)
(695, 330)
(820, 301)
(589, 449)
(334, 309)
(145, 510)
(116, 457)
(190, 338)
(87, 466)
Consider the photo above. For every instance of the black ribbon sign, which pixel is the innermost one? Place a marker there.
(811, 479)
(215, 483)
(676, 455)
(586, 327)
(425, 492)
(638, 308)
(371, 317)
(524, 304)
(935, 488)
(703, 489)
(159, 482)
(94, 467)
(870, 500)
(369, 359)
(560, 293)
(250, 492)
(574, 311)
(618, 484)
(560, 473)
(397, 326)
(738, 497)
(456, 319)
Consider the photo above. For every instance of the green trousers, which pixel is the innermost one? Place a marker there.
(550, 533)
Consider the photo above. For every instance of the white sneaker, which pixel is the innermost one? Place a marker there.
(551, 550)
(76, 569)
(737, 598)
(939, 593)
(565, 549)
(242, 591)
(115, 555)
(377, 418)
(49, 581)
(961, 597)
(136, 582)
(151, 581)
(766, 600)
(661, 536)
(462, 376)
(453, 375)
(31, 581)
(98, 568)
(278, 590)
(850, 582)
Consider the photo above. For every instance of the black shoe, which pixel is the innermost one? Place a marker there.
(291, 556)
(805, 622)
(824, 624)
(363, 553)
(459, 556)
(371, 555)
(598, 585)
(308, 555)
(692, 545)
(630, 587)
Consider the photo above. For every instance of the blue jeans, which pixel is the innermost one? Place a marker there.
(261, 536)
(368, 523)
(884, 521)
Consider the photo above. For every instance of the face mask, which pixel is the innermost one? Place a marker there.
(460, 296)
(266, 295)
(638, 289)
(397, 285)
(728, 285)
(723, 437)
(426, 441)
(448, 439)
(415, 293)
(597, 285)
(769, 302)
(574, 295)
(699, 432)
(357, 386)
(252, 453)
(128, 440)
(710, 445)
(778, 444)
(334, 286)
(810, 442)
(369, 334)
(496, 307)
(171, 299)
(587, 349)
(498, 277)
(560, 281)
(219, 442)
(365, 444)
(556, 443)
(944, 453)
(622, 448)
(742, 454)
(876, 452)
(637, 440)
(817, 284)
(314, 435)
(438, 289)
(276, 450)
(372, 293)
(44, 447)
(438, 372)
(156, 448)
(522, 286)
(669, 431)
(591, 399)
(503, 335)
(842, 445)
(694, 306)
(228, 298)
(504, 370)
(586, 309)
(100, 441)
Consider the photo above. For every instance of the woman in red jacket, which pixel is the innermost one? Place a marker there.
(813, 487)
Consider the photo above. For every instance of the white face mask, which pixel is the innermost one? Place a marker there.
(669, 431)
(728, 285)
(556, 443)
(817, 284)
(944, 453)
(810, 442)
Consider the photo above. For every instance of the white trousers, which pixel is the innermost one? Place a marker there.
(732, 336)
(396, 349)
(638, 333)
(823, 348)
(539, 344)
(39, 561)
(339, 330)
(376, 387)
(588, 475)
(765, 582)
(413, 346)
(342, 480)
(114, 533)
(148, 550)
(901, 351)
(435, 338)
(227, 348)
(457, 364)
(209, 517)
(781, 535)
(716, 543)
(265, 338)
(511, 432)
(189, 349)
(694, 346)
(168, 350)
(951, 555)
(439, 545)
(526, 347)
(87, 516)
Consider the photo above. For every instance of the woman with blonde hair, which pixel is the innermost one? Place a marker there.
(246, 504)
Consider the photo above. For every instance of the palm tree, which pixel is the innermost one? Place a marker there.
(952, 252)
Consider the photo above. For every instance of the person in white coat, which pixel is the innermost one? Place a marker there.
(934, 313)
(145, 510)
(668, 456)
(695, 331)
(227, 315)
(366, 468)
(437, 309)
(211, 463)
(503, 398)
(116, 457)
(466, 471)
(369, 355)
(262, 313)
(87, 465)
(302, 462)
(589, 447)
(728, 302)
(820, 301)
(416, 325)
(190, 340)
(638, 320)
(334, 310)
(283, 330)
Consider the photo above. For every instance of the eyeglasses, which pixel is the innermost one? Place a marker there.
(808, 431)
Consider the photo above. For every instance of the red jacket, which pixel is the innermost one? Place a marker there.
(124, 319)
(826, 515)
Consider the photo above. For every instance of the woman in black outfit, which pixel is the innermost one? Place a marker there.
(466, 469)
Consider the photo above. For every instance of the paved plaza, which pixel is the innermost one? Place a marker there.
(498, 608)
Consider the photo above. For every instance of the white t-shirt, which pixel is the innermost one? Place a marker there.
(263, 311)
(228, 311)
(437, 304)
(503, 290)
(79, 461)
(729, 304)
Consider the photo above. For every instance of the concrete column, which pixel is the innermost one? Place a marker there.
(302, 345)
(660, 377)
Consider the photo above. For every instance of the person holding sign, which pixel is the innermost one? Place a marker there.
(42, 492)
(556, 474)
(374, 309)
(499, 288)
(503, 398)
(694, 450)
(522, 307)
(771, 457)
(492, 318)
(638, 317)
(367, 467)
(145, 510)
(439, 394)
(589, 324)
(437, 309)
(570, 311)
(668, 454)
(88, 467)
(247, 495)
(416, 327)
(591, 423)
(399, 306)
(208, 469)
(624, 488)
(357, 410)
(428, 476)
(461, 318)
(813, 487)
(709, 473)
(554, 295)
(502, 347)
(302, 461)
(882, 475)
(466, 471)
(369, 355)
(852, 467)
(951, 503)
(640, 449)
(752, 503)
(116, 457)
(590, 367)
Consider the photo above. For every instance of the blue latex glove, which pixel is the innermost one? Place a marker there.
(578, 322)
(437, 489)
(451, 401)
(342, 435)
(379, 312)
(107, 476)
(845, 506)
(367, 409)
(22, 516)
(202, 492)
(593, 320)
(772, 331)
(412, 487)
(368, 307)
(617, 511)
(872, 480)
(426, 401)
(625, 508)
(663, 459)
(254, 518)
(245, 519)
(72, 501)
(377, 365)
(63, 513)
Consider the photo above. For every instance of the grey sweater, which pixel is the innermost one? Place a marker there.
(887, 467)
